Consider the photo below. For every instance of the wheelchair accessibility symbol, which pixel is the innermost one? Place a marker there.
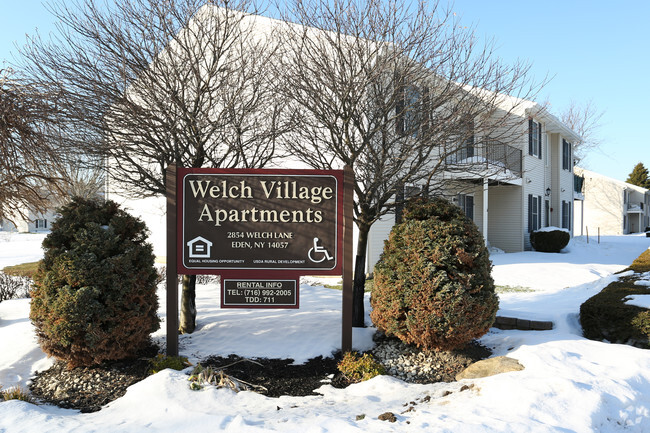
(318, 253)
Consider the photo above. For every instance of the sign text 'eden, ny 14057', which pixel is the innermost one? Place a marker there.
(261, 221)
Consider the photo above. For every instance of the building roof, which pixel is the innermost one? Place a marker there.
(620, 183)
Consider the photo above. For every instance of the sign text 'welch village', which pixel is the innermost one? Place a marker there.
(271, 190)
(260, 220)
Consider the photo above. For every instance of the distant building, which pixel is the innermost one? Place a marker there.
(33, 222)
(610, 206)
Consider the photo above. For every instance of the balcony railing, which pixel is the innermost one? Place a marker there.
(635, 207)
(489, 155)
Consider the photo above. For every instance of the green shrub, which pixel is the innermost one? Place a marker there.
(606, 316)
(357, 368)
(433, 286)
(549, 241)
(94, 296)
(161, 362)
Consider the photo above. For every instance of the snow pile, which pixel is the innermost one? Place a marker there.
(569, 383)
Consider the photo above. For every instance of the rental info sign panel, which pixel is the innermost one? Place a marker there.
(260, 230)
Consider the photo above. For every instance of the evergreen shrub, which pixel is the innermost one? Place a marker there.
(549, 241)
(433, 286)
(94, 297)
(607, 316)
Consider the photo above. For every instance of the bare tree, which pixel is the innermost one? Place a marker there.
(392, 90)
(585, 120)
(149, 83)
(29, 159)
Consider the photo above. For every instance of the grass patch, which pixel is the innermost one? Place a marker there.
(23, 270)
(641, 263)
(16, 393)
(512, 289)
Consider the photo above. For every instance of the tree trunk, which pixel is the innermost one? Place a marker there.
(188, 305)
(358, 313)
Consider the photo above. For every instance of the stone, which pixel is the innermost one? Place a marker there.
(387, 416)
(490, 367)
(541, 325)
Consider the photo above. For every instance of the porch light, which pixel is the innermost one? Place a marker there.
(548, 192)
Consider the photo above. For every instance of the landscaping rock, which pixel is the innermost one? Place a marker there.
(490, 367)
(414, 365)
(387, 416)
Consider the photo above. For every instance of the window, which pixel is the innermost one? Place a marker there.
(466, 203)
(40, 223)
(412, 110)
(566, 155)
(534, 138)
(534, 212)
(566, 215)
(466, 149)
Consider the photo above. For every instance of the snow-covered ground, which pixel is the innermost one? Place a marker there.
(569, 384)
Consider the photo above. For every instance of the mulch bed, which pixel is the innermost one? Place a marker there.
(279, 376)
(89, 388)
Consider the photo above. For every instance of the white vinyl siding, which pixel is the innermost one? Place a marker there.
(379, 232)
(505, 222)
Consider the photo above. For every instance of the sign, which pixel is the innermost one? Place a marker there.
(260, 230)
(259, 293)
(260, 220)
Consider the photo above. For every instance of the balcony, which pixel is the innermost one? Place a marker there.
(490, 159)
(636, 207)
